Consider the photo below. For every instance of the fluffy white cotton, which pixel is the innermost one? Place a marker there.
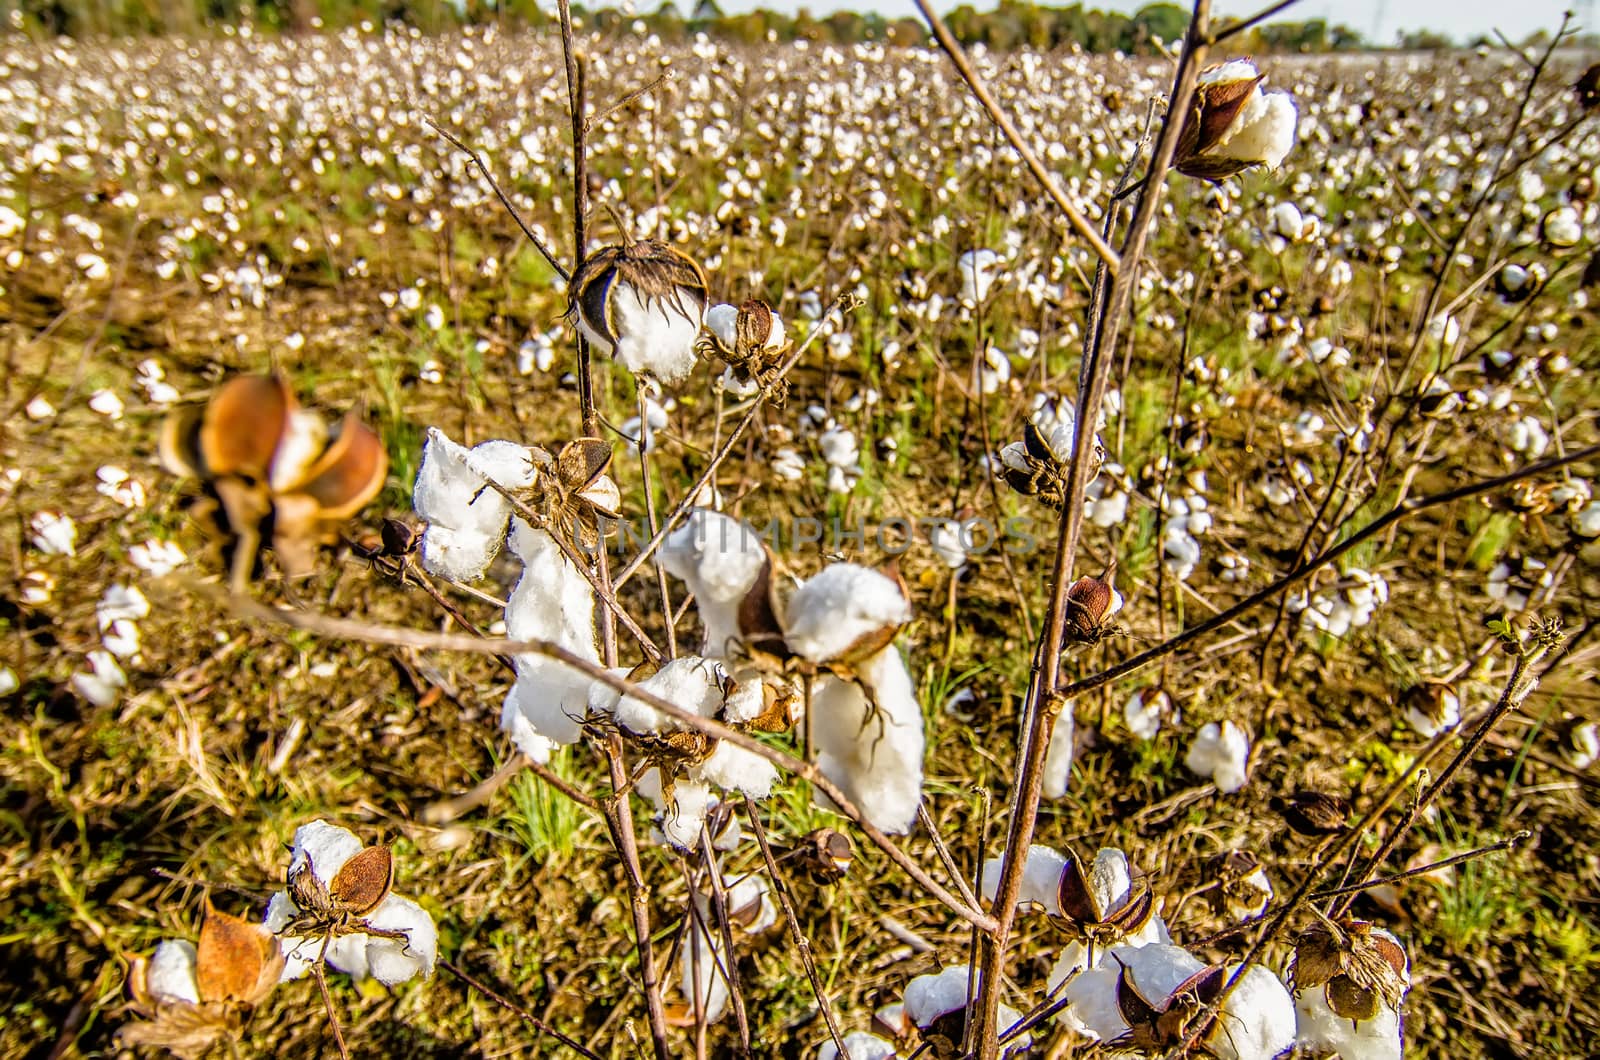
(1221, 752)
(1144, 710)
(103, 682)
(874, 756)
(834, 609)
(1156, 970)
(1257, 1021)
(1058, 756)
(735, 769)
(1076, 955)
(1041, 879)
(1322, 1029)
(120, 603)
(552, 601)
(860, 1045)
(719, 558)
(466, 517)
(928, 997)
(681, 819)
(170, 975)
(977, 269)
(54, 533)
(653, 335)
(392, 961)
(326, 847)
(1263, 129)
(691, 683)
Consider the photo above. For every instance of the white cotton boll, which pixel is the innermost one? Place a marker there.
(1144, 710)
(106, 403)
(1257, 1021)
(927, 997)
(552, 601)
(121, 603)
(691, 683)
(1322, 1029)
(8, 681)
(680, 823)
(1058, 756)
(1041, 879)
(121, 639)
(735, 769)
(996, 370)
(1263, 131)
(945, 540)
(1075, 956)
(326, 847)
(874, 757)
(721, 320)
(392, 961)
(466, 517)
(753, 890)
(170, 975)
(1156, 970)
(103, 682)
(1286, 221)
(54, 533)
(835, 608)
(653, 336)
(977, 269)
(1222, 753)
(524, 737)
(738, 389)
(839, 447)
(1180, 553)
(299, 953)
(860, 1045)
(719, 558)
(746, 703)
(700, 970)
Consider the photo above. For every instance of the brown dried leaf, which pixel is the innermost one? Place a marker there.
(231, 955)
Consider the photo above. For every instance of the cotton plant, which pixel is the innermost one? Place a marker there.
(1037, 465)
(338, 907)
(1431, 707)
(934, 1014)
(1234, 123)
(1344, 608)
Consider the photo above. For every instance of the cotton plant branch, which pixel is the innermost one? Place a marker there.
(1075, 218)
(1511, 842)
(1044, 703)
(719, 908)
(1311, 566)
(376, 633)
(521, 1013)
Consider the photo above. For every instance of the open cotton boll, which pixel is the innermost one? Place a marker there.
(524, 737)
(1262, 131)
(735, 769)
(1058, 756)
(1041, 879)
(170, 974)
(392, 961)
(1221, 752)
(549, 696)
(1156, 971)
(1320, 1029)
(719, 558)
(860, 1045)
(1257, 1021)
(466, 518)
(837, 607)
(326, 847)
(928, 997)
(680, 823)
(690, 683)
(653, 336)
(721, 320)
(552, 601)
(874, 756)
(1075, 956)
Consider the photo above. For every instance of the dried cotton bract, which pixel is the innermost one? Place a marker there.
(1233, 125)
(1349, 981)
(644, 303)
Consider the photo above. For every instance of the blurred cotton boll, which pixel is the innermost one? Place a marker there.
(1221, 752)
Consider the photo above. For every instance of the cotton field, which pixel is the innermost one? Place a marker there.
(684, 548)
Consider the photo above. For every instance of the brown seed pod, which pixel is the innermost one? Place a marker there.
(825, 855)
(1313, 813)
(236, 960)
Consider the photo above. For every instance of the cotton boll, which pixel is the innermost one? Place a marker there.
(720, 321)
(466, 517)
(1041, 879)
(860, 1045)
(170, 974)
(719, 558)
(1222, 753)
(392, 961)
(1155, 970)
(103, 682)
(928, 997)
(552, 601)
(1322, 1029)
(874, 757)
(323, 848)
(1144, 710)
(836, 608)
(1263, 132)
(735, 769)
(1058, 756)
(653, 336)
(691, 683)
(680, 822)
(977, 269)
(1257, 1021)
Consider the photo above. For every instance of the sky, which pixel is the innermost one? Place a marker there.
(1380, 20)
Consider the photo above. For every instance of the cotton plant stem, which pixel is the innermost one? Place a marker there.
(1043, 704)
(319, 971)
(719, 907)
(619, 817)
(1510, 842)
(580, 203)
(650, 517)
(1075, 218)
(377, 633)
(523, 1014)
(1305, 570)
(802, 944)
